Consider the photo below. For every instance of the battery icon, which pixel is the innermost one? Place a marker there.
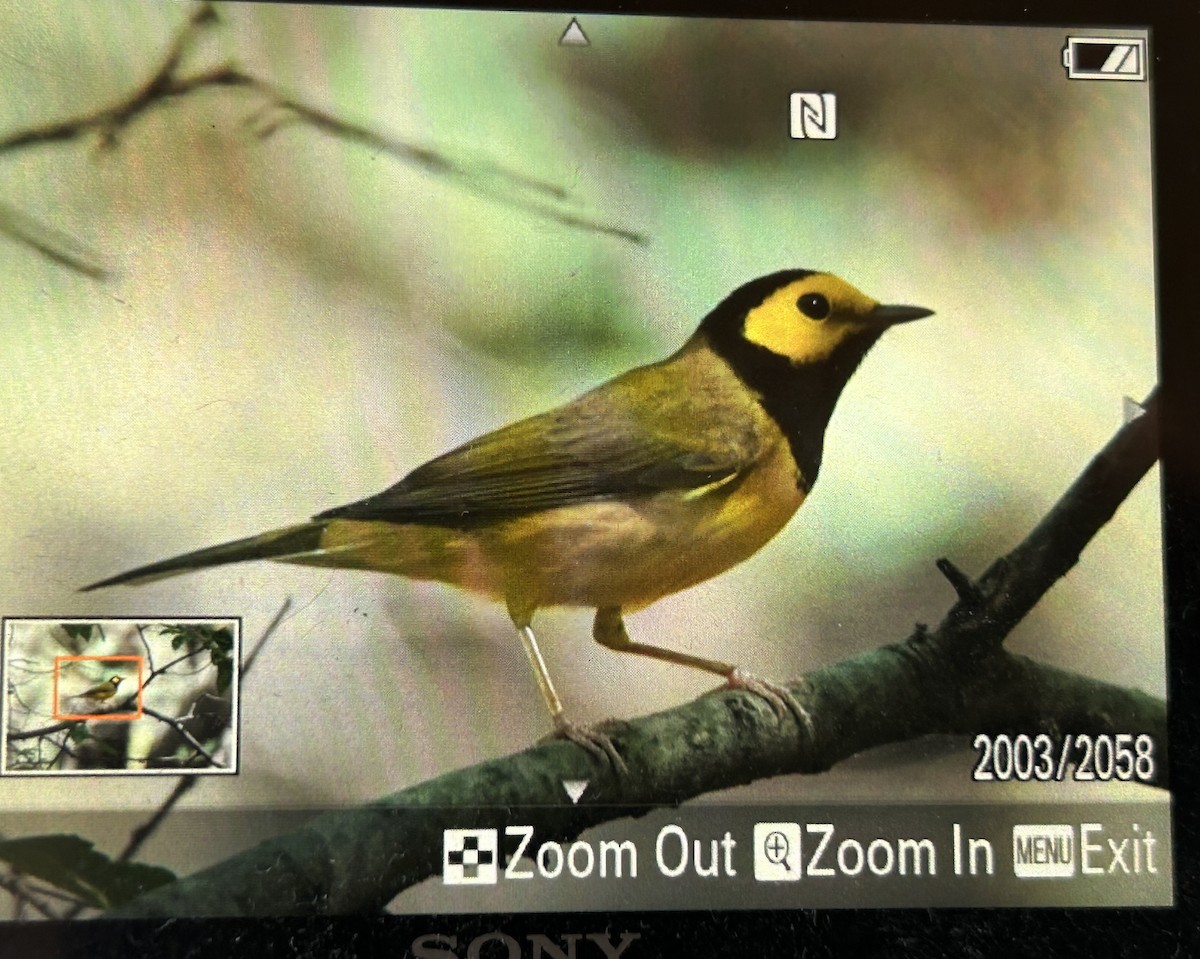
(1105, 58)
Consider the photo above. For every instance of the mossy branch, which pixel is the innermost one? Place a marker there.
(956, 679)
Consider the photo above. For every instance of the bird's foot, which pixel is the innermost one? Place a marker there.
(597, 743)
(781, 699)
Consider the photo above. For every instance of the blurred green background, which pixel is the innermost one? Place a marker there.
(296, 322)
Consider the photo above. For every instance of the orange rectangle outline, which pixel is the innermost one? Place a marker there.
(100, 717)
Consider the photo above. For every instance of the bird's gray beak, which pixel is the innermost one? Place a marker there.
(891, 315)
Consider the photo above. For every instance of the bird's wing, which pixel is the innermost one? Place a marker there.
(637, 435)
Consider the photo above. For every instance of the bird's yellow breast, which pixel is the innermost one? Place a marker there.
(629, 554)
(624, 552)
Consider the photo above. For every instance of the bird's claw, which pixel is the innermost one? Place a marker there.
(595, 742)
(781, 699)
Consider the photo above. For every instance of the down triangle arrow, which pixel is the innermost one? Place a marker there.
(575, 788)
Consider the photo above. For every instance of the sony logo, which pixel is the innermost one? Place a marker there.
(500, 945)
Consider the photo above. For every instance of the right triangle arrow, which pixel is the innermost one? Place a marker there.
(1131, 409)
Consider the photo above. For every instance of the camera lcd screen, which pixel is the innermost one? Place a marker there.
(460, 461)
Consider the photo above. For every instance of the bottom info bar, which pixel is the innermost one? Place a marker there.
(708, 857)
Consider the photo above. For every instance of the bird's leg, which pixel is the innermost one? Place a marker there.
(609, 631)
(540, 672)
(594, 742)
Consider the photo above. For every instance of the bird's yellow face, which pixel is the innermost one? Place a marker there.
(806, 320)
(115, 680)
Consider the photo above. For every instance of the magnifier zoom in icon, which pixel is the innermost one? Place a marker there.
(777, 851)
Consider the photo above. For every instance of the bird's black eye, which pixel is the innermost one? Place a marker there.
(814, 306)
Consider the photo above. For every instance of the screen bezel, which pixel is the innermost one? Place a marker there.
(873, 931)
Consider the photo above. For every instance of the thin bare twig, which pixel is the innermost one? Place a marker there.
(141, 631)
(21, 893)
(187, 782)
(108, 120)
(54, 244)
(191, 740)
(44, 730)
(484, 178)
(967, 589)
(147, 829)
(274, 624)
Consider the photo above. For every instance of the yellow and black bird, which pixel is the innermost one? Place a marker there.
(646, 485)
(102, 692)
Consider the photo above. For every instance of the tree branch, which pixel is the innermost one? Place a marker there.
(1012, 585)
(956, 679)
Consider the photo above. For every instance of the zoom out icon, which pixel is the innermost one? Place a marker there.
(777, 851)
(469, 857)
(814, 116)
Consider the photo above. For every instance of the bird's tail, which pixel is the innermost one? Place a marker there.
(291, 542)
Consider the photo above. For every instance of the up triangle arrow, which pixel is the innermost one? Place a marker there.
(574, 36)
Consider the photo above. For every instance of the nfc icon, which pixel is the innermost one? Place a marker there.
(469, 857)
(814, 116)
